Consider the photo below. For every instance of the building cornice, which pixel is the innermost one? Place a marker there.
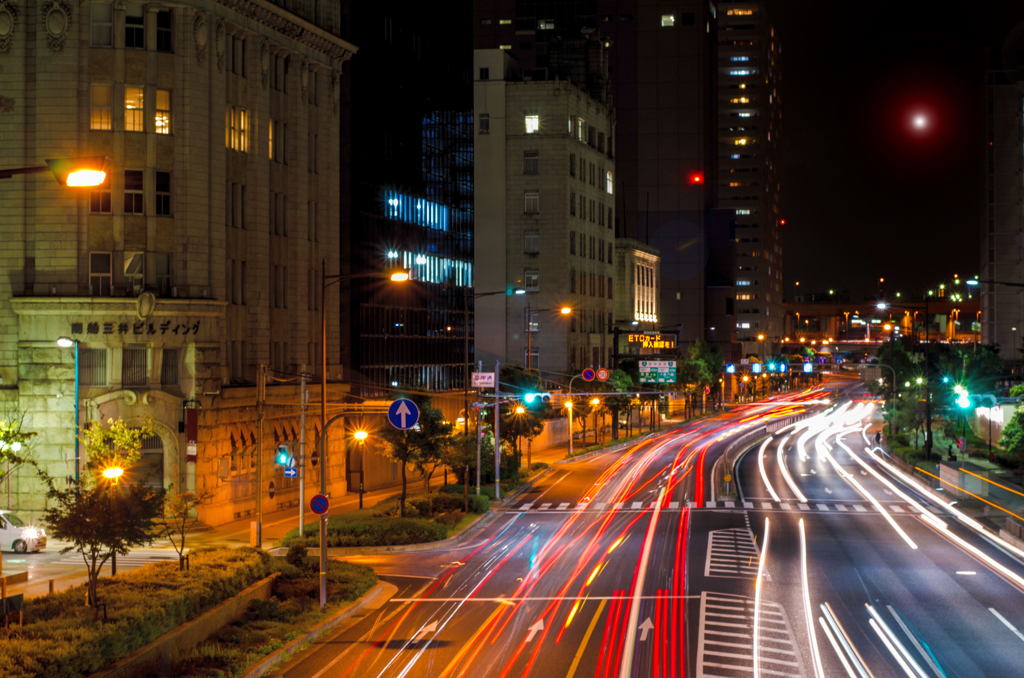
(295, 27)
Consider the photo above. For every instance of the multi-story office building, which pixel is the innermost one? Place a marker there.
(652, 63)
(1002, 319)
(199, 260)
(748, 183)
(544, 192)
(411, 163)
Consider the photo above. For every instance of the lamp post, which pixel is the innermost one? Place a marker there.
(465, 348)
(325, 282)
(71, 172)
(360, 437)
(563, 310)
(882, 305)
(568, 406)
(68, 342)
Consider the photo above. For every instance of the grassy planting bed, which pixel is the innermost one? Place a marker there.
(270, 624)
(61, 637)
(425, 521)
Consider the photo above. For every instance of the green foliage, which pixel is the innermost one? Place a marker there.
(297, 556)
(179, 518)
(424, 447)
(363, 530)
(116, 444)
(61, 639)
(702, 365)
(14, 445)
(102, 520)
(1012, 440)
(1017, 390)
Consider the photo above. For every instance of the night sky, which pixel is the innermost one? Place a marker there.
(865, 194)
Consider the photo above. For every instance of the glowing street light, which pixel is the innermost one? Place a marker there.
(399, 276)
(113, 473)
(360, 435)
(919, 121)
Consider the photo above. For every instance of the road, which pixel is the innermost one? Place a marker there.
(588, 575)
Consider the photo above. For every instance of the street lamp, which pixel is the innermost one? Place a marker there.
(68, 342)
(562, 310)
(882, 306)
(465, 346)
(360, 437)
(70, 172)
(325, 282)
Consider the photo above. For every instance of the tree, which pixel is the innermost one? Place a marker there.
(1012, 439)
(178, 518)
(14, 446)
(620, 384)
(114, 445)
(421, 446)
(102, 520)
(460, 454)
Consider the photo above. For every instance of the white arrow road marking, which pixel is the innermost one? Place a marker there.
(403, 411)
(537, 626)
(425, 631)
(645, 628)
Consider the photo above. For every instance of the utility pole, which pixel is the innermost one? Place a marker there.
(261, 398)
(303, 400)
(497, 430)
(478, 434)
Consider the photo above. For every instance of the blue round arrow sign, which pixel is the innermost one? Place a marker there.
(403, 414)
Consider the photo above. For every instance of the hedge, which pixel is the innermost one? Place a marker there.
(60, 638)
(362, 530)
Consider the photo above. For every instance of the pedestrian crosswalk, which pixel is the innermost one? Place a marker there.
(134, 559)
(731, 554)
(804, 507)
(725, 642)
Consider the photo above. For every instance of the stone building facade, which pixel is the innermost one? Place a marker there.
(544, 213)
(201, 257)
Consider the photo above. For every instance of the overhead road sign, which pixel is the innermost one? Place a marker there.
(657, 371)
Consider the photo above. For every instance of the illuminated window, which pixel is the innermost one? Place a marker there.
(739, 12)
(742, 71)
(734, 184)
(133, 113)
(742, 141)
(545, 25)
(609, 182)
(742, 283)
(505, 47)
(739, 100)
(162, 114)
(735, 156)
(401, 207)
(745, 114)
(739, 58)
(668, 20)
(236, 129)
(532, 123)
(441, 270)
(101, 106)
(741, 212)
(581, 132)
(505, 22)
(744, 297)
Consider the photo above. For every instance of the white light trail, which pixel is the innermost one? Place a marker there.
(758, 585)
(764, 474)
(835, 646)
(901, 653)
(1006, 623)
(785, 472)
(844, 639)
(819, 670)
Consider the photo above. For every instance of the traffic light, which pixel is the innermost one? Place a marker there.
(730, 368)
(282, 456)
(808, 367)
(532, 398)
(963, 399)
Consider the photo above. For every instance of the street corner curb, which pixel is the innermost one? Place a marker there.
(341, 621)
(341, 551)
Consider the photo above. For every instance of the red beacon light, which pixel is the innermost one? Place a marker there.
(696, 178)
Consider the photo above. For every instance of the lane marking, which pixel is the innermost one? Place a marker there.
(1006, 622)
(586, 639)
(819, 670)
(626, 668)
(758, 585)
(764, 474)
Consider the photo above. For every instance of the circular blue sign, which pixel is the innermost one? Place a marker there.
(588, 374)
(319, 504)
(403, 414)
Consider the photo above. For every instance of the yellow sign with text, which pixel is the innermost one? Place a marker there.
(652, 340)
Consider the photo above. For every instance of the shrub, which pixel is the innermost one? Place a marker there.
(61, 639)
(297, 556)
(449, 519)
(538, 466)
(362, 530)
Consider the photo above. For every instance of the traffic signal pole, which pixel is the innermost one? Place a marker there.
(497, 430)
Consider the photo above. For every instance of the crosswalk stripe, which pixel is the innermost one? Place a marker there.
(784, 506)
(896, 508)
(804, 507)
(545, 505)
(748, 504)
(564, 505)
(822, 507)
(842, 507)
(619, 505)
(673, 504)
(636, 505)
(860, 508)
(730, 504)
(599, 505)
(766, 504)
(527, 506)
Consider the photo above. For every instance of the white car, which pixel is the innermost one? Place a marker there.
(16, 536)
